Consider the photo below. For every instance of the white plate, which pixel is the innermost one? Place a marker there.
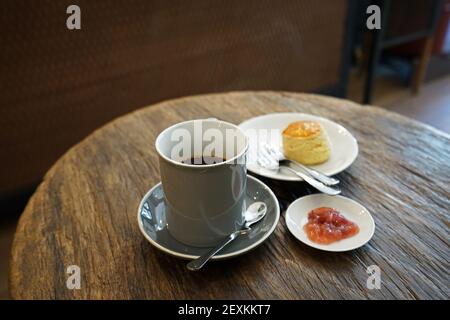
(343, 145)
(297, 217)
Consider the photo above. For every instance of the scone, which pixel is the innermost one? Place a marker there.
(306, 142)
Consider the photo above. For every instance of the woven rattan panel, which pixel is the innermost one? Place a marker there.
(58, 85)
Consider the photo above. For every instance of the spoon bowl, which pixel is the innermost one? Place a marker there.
(254, 213)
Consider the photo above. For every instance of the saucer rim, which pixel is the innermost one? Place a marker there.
(217, 257)
(256, 169)
(288, 217)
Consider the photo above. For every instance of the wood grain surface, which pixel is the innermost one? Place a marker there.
(84, 213)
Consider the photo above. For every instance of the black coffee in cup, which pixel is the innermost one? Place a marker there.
(203, 160)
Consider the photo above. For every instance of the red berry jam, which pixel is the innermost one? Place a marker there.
(327, 225)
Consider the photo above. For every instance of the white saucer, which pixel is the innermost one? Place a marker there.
(297, 217)
(152, 223)
(344, 148)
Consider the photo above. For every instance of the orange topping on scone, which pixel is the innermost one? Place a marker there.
(302, 129)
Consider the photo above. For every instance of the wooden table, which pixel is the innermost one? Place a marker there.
(84, 214)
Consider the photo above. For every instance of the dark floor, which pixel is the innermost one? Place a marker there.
(7, 229)
(438, 67)
(10, 209)
(431, 106)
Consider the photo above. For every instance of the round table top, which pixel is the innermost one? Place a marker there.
(84, 214)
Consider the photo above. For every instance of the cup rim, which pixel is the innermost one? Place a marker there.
(159, 137)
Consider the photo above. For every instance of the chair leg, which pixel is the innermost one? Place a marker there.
(421, 68)
(374, 56)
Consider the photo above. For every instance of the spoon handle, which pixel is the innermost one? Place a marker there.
(198, 263)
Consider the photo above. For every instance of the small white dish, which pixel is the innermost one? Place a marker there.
(343, 145)
(297, 217)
